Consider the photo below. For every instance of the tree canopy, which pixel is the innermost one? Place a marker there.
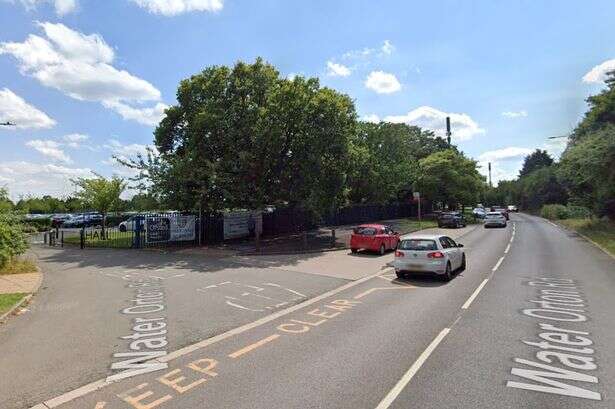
(534, 161)
(100, 193)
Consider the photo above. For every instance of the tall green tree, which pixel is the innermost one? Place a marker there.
(243, 137)
(450, 178)
(601, 110)
(534, 161)
(100, 194)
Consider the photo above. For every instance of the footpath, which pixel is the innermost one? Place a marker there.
(17, 289)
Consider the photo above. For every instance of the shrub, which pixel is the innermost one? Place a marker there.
(578, 212)
(40, 224)
(554, 211)
(12, 238)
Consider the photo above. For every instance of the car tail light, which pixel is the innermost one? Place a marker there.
(435, 254)
(399, 254)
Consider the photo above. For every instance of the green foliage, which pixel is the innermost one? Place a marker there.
(100, 194)
(578, 212)
(6, 204)
(541, 187)
(534, 161)
(450, 178)
(12, 238)
(587, 168)
(601, 111)
(48, 205)
(245, 137)
(384, 160)
(43, 224)
(554, 212)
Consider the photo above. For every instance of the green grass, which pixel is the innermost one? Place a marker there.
(600, 231)
(116, 239)
(18, 266)
(8, 300)
(411, 225)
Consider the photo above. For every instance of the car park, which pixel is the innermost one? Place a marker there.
(479, 212)
(502, 210)
(373, 237)
(436, 254)
(495, 219)
(131, 223)
(451, 219)
(513, 208)
(58, 220)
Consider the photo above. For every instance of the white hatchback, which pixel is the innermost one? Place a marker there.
(430, 254)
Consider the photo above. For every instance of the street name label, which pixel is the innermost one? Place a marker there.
(564, 352)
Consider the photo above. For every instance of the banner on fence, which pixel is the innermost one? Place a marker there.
(160, 229)
(242, 224)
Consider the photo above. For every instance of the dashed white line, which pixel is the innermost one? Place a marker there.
(507, 248)
(498, 264)
(474, 294)
(407, 377)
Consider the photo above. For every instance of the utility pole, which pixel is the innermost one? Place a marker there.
(490, 185)
(448, 130)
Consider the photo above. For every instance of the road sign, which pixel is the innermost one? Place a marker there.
(416, 195)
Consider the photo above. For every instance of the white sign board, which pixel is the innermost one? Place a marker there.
(241, 224)
(160, 229)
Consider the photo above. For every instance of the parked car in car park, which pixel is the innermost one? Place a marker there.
(513, 208)
(130, 224)
(496, 219)
(451, 219)
(479, 212)
(502, 210)
(58, 220)
(373, 237)
(436, 254)
(83, 220)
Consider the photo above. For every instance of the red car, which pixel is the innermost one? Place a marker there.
(373, 237)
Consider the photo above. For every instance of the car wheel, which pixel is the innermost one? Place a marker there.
(354, 251)
(400, 274)
(382, 250)
(463, 263)
(123, 229)
(448, 275)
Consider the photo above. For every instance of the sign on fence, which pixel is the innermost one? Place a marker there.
(160, 229)
(242, 224)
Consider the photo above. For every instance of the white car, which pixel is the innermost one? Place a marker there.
(495, 219)
(429, 254)
(130, 224)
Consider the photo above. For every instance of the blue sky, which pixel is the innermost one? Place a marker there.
(86, 79)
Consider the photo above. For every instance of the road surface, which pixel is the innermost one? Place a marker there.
(529, 324)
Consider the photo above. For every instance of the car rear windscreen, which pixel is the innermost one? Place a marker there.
(417, 245)
(365, 231)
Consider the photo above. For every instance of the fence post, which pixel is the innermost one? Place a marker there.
(62, 239)
(44, 237)
(51, 236)
(332, 237)
(82, 238)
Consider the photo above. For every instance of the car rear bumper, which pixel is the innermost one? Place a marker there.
(497, 224)
(432, 266)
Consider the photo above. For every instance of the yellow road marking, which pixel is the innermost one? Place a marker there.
(371, 290)
(255, 345)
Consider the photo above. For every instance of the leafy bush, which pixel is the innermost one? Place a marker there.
(12, 238)
(39, 224)
(578, 212)
(554, 211)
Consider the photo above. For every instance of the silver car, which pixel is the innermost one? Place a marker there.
(429, 254)
(496, 219)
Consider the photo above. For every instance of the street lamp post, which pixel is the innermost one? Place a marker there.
(7, 123)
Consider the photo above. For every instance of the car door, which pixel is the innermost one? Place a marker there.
(456, 252)
(390, 238)
(446, 249)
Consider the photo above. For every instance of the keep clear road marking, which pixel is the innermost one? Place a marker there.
(401, 384)
(102, 383)
(474, 294)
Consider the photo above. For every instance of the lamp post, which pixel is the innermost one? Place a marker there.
(7, 123)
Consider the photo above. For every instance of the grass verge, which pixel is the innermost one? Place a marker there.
(117, 240)
(19, 266)
(600, 231)
(412, 225)
(8, 300)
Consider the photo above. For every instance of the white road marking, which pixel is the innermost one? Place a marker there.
(399, 387)
(498, 264)
(474, 294)
(507, 249)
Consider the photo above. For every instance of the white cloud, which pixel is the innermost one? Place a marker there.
(337, 70)
(16, 110)
(133, 149)
(146, 116)
(509, 153)
(382, 82)
(62, 7)
(556, 146)
(174, 7)
(27, 178)
(597, 75)
(515, 114)
(463, 127)
(50, 149)
(79, 65)
(371, 118)
(75, 140)
(387, 47)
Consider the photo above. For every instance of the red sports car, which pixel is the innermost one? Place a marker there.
(373, 237)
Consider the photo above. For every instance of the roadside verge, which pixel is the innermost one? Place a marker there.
(24, 285)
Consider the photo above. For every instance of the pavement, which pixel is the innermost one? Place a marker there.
(20, 283)
(492, 337)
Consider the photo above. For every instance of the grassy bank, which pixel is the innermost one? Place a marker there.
(8, 300)
(18, 266)
(602, 232)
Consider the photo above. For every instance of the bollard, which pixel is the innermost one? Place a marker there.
(44, 237)
(81, 238)
(62, 239)
(332, 237)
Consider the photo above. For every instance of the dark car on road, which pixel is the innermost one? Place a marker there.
(451, 219)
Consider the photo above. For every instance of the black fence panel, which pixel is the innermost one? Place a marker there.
(287, 220)
(212, 228)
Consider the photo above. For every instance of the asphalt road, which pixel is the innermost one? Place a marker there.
(528, 325)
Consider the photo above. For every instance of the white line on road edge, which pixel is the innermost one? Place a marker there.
(101, 383)
(498, 264)
(507, 249)
(399, 387)
(474, 294)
